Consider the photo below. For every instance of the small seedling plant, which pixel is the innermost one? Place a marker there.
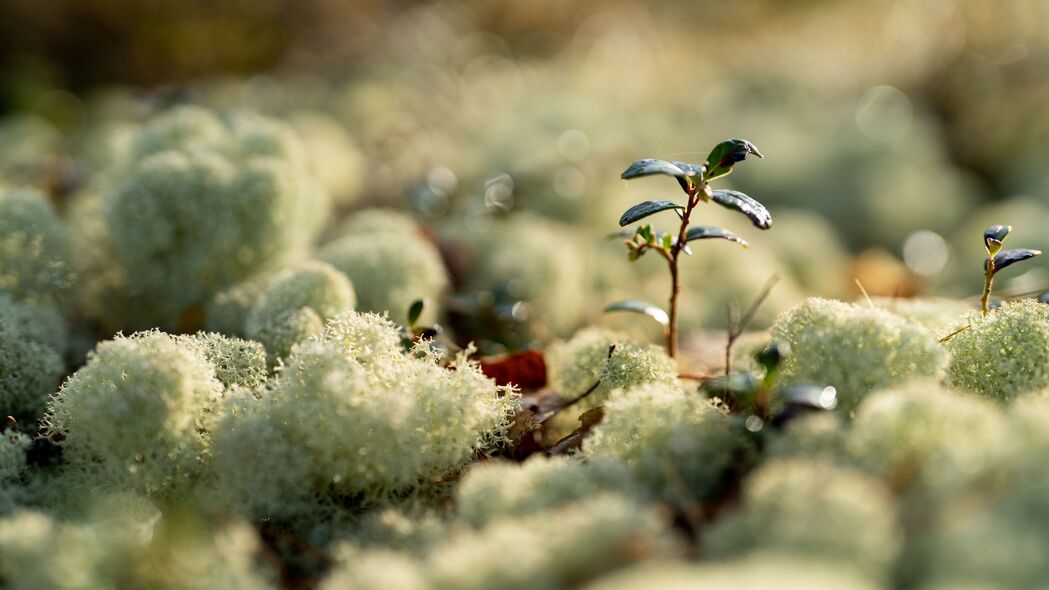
(997, 259)
(694, 180)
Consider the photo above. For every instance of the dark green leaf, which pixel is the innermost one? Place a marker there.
(994, 236)
(1008, 257)
(414, 311)
(772, 355)
(652, 166)
(817, 398)
(690, 169)
(703, 232)
(758, 214)
(648, 309)
(725, 155)
(643, 210)
(680, 170)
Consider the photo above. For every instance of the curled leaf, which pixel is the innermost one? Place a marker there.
(704, 232)
(1009, 257)
(635, 306)
(643, 210)
(725, 155)
(755, 211)
(525, 369)
(994, 236)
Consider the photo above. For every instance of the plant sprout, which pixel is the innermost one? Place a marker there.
(997, 259)
(694, 180)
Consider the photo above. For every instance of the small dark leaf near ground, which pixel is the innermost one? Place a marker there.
(1009, 257)
(574, 441)
(301, 564)
(41, 452)
(525, 369)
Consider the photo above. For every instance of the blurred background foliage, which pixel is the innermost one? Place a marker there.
(894, 130)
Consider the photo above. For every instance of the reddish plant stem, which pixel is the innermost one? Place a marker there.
(672, 261)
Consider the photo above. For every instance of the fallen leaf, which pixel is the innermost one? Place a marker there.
(574, 441)
(525, 369)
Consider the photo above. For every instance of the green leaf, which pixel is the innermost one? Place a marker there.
(643, 210)
(645, 232)
(667, 241)
(684, 172)
(652, 166)
(635, 306)
(414, 311)
(704, 232)
(755, 211)
(994, 236)
(725, 155)
(1009, 257)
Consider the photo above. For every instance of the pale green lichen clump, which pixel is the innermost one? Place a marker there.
(201, 203)
(13, 466)
(381, 223)
(37, 551)
(158, 392)
(814, 510)
(854, 348)
(236, 362)
(557, 548)
(581, 362)
(494, 490)
(357, 569)
(760, 572)
(670, 438)
(928, 444)
(939, 314)
(390, 272)
(34, 248)
(535, 261)
(32, 341)
(352, 419)
(227, 312)
(999, 544)
(1005, 353)
(296, 304)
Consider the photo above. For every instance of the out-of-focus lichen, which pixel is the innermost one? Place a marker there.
(1003, 354)
(854, 348)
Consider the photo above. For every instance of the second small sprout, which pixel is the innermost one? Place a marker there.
(997, 259)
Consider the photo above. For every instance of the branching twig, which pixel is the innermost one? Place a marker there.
(954, 333)
(737, 326)
(592, 389)
(864, 291)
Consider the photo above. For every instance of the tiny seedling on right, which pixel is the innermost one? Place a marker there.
(997, 259)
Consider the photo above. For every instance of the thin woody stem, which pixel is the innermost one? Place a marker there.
(987, 282)
(672, 261)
